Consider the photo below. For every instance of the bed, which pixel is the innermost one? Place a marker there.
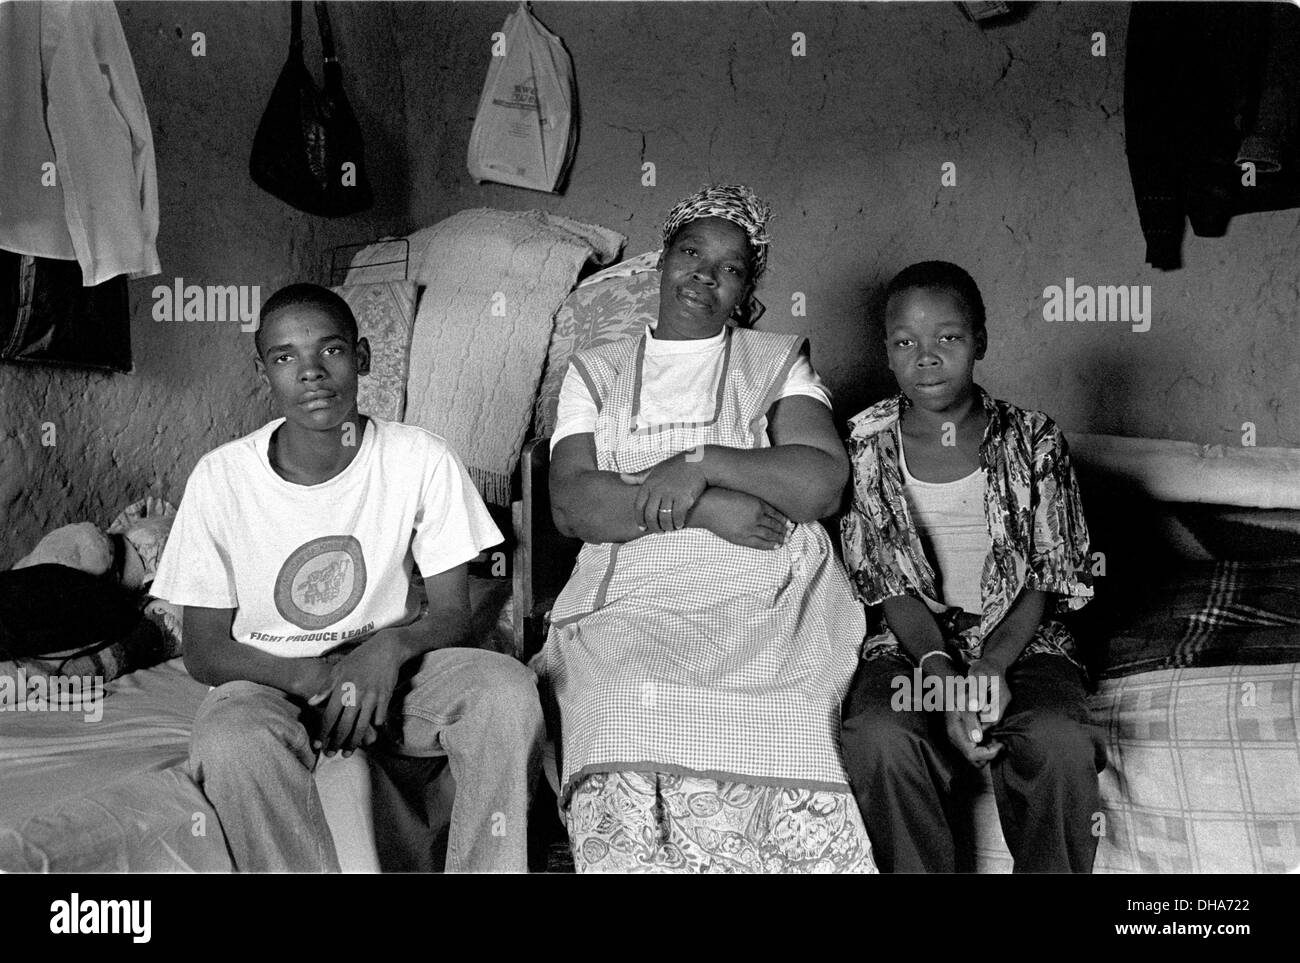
(1194, 643)
(107, 787)
(114, 795)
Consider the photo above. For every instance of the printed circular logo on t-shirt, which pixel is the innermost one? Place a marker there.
(322, 582)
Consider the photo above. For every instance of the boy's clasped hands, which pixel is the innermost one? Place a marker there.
(987, 701)
(353, 690)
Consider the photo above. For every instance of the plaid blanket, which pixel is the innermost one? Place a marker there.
(1204, 614)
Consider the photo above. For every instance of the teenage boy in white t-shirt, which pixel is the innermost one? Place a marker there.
(292, 553)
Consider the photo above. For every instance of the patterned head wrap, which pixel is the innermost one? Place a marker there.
(733, 202)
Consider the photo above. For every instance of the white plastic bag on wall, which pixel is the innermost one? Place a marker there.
(525, 130)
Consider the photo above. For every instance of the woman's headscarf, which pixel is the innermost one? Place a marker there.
(733, 202)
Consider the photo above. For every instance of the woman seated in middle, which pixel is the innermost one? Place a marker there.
(701, 650)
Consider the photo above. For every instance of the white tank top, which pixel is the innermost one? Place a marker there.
(954, 532)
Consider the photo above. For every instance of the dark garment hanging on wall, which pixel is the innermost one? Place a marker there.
(1207, 87)
(307, 135)
(47, 317)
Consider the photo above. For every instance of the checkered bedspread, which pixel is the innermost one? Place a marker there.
(1204, 774)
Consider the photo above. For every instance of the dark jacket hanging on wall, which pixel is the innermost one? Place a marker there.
(46, 316)
(1207, 87)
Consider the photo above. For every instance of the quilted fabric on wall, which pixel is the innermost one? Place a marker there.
(610, 305)
(385, 314)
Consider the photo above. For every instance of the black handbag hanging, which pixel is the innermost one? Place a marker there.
(308, 136)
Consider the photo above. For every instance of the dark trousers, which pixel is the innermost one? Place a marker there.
(903, 768)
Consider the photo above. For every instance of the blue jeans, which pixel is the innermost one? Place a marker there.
(251, 754)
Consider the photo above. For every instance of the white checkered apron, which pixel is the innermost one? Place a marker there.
(681, 652)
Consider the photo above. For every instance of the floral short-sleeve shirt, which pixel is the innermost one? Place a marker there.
(1031, 503)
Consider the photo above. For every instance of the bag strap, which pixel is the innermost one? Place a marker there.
(333, 72)
(326, 34)
(295, 29)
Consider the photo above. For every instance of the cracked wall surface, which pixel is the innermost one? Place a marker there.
(847, 143)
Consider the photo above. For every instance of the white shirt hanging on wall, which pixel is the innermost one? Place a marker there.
(69, 96)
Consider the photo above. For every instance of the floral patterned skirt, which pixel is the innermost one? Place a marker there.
(655, 822)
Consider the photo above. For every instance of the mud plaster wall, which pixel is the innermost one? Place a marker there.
(846, 142)
(120, 437)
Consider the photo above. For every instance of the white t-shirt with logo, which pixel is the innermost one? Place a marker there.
(310, 567)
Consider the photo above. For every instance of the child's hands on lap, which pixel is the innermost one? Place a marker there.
(996, 693)
(963, 725)
(314, 679)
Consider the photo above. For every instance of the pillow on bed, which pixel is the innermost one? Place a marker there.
(81, 545)
(145, 524)
(612, 304)
(385, 315)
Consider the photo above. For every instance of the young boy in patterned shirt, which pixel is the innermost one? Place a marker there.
(966, 529)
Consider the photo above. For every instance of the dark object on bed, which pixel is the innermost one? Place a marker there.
(1181, 585)
(1207, 613)
(48, 317)
(308, 135)
(46, 609)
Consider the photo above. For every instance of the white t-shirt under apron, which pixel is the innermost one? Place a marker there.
(309, 567)
(679, 384)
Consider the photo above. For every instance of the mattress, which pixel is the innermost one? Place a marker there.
(1203, 775)
(111, 795)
